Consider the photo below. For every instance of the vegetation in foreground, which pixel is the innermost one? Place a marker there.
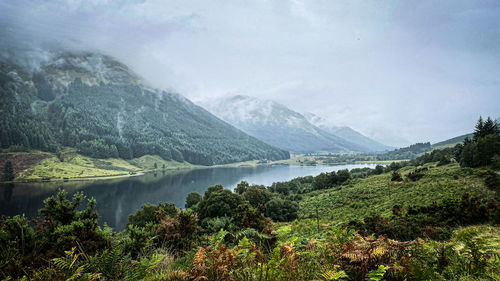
(225, 235)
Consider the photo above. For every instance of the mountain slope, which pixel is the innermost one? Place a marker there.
(347, 133)
(452, 142)
(96, 104)
(277, 125)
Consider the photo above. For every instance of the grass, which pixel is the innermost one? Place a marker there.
(489, 233)
(378, 161)
(147, 163)
(53, 168)
(71, 165)
(378, 195)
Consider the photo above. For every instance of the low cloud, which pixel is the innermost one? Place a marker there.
(397, 71)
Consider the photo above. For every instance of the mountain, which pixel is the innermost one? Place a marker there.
(278, 125)
(98, 105)
(347, 133)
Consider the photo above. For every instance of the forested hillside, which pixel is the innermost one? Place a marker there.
(97, 105)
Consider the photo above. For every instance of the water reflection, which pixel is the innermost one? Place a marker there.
(118, 198)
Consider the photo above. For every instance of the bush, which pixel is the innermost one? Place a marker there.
(177, 234)
(17, 241)
(257, 195)
(416, 174)
(396, 176)
(281, 210)
(192, 199)
(433, 221)
(218, 202)
(148, 214)
(62, 228)
(492, 180)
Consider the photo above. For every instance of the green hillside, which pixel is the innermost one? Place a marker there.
(452, 142)
(377, 194)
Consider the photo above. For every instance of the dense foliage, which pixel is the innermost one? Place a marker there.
(404, 153)
(483, 148)
(177, 248)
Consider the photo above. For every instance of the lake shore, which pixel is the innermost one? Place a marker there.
(70, 166)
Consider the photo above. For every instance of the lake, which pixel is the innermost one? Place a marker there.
(118, 198)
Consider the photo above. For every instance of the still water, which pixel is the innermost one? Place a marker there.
(118, 198)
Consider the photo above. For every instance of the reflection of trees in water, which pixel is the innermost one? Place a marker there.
(7, 188)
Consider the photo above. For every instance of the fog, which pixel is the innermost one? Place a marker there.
(397, 71)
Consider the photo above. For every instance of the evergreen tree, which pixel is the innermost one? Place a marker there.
(479, 128)
(8, 172)
(489, 127)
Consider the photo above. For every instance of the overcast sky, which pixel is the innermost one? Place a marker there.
(397, 71)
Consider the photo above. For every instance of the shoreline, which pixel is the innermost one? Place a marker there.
(245, 164)
(136, 168)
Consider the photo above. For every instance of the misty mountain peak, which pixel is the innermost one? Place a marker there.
(243, 110)
(90, 68)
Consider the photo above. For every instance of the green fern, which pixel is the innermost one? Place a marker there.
(68, 265)
(377, 274)
(333, 274)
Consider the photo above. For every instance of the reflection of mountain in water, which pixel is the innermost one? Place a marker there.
(116, 199)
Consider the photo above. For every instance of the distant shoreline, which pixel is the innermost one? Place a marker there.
(295, 159)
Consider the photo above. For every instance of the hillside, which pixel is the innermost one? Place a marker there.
(452, 142)
(377, 194)
(278, 125)
(347, 133)
(100, 107)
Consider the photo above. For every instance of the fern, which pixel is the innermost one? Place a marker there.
(333, 274)
(68, 265)
(377, 274)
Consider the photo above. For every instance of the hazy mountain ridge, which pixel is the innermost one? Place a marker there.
(347, 133)
(278, 125)
(98, 105)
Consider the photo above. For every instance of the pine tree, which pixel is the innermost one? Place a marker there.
(479, 128)
(489, 127)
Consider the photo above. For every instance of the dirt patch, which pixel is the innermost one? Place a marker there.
(22, 161)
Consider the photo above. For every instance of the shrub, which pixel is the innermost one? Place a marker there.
(396, 176)
(416, 174)
(192, 199)
(281, 210)
(218, 202)
(257, 195)
(148, 214)
(178, 233)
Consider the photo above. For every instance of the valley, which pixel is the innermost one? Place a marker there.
(249, 140)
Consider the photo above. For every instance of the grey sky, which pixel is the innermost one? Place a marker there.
(398, 71)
